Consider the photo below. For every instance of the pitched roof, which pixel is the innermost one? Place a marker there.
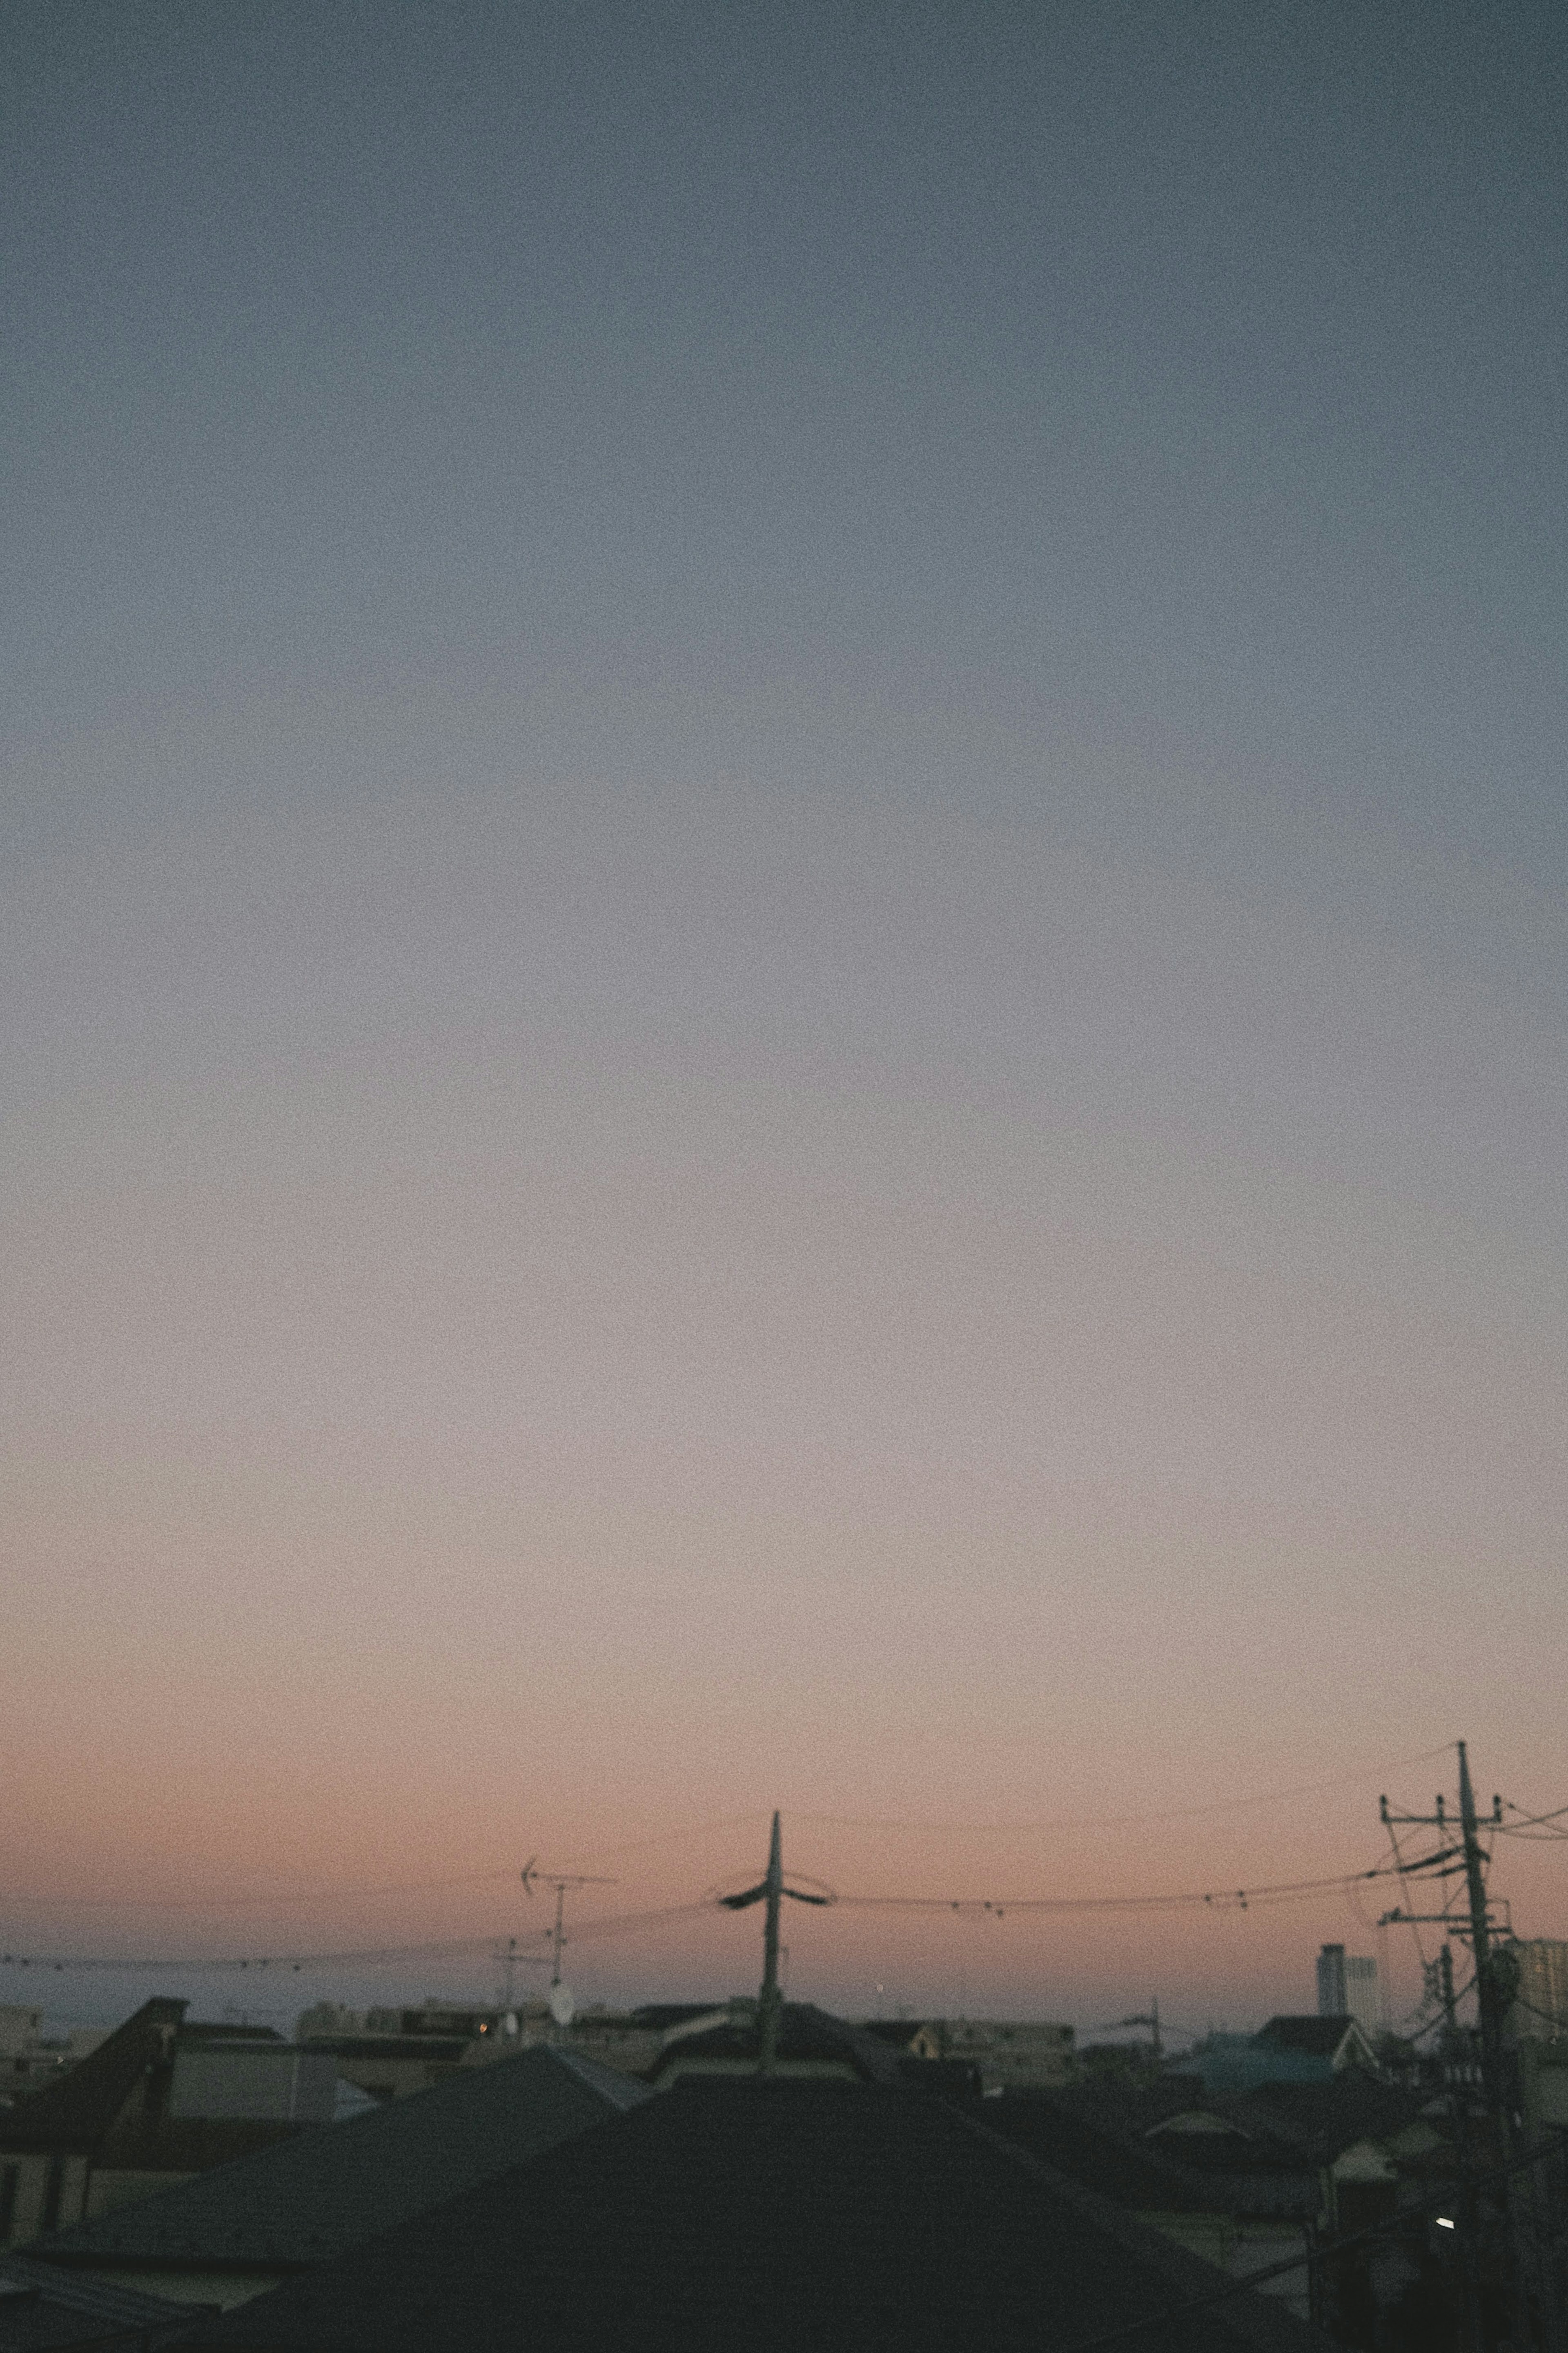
(1092, 2153)
(77, 2110)
(1315, 2038)
(333, 2186)
(789, 2214)
(46, 2310)
(1321, 2120)
(898, 2031)
(1159, 2170)
(662, 2015)
(805, 2034)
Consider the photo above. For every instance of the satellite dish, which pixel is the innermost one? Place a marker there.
(562, 2008)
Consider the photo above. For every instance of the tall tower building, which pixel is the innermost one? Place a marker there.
(1348, 1987)
(1541, 2011)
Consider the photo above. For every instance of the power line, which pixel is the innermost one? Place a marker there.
(1236, 1899)
(1113, 1822)
(249, 1904)
(1221, 1899)
(325, 1890)
(614, 1925)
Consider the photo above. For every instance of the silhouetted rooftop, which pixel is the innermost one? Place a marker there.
(43, 2310)
(333, 2186)
(77, 2110)
(791, 2215)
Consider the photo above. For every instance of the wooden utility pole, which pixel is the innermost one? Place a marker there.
(1493, 1994)
(771, 1891)
(772, 2002)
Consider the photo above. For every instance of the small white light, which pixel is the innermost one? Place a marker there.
(1444, 2223)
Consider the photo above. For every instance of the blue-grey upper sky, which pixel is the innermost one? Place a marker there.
(784, 911)
(1156, 408)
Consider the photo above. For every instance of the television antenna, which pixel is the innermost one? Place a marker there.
(512, 1960)
(562, 1883)
(1149, 2018)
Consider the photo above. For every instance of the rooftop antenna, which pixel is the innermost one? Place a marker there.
(562, 1881)
(770, 1890)
(510, 1961)
(1149, 2018)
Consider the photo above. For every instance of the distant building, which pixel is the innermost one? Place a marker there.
(157, 2102)
(390, 2066)
(29, 2058)
(21, 2027)
(1012, 2055)
(391, 2052)
(1348, 1987)
(1286, 2051)
(1540, 2011)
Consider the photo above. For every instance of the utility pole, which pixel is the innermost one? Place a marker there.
(772, 2003)
(1493, 1995)
(770, 1890)
(1446, 1985)
(1491, 1999)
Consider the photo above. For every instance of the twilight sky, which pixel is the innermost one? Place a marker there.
(784, 921)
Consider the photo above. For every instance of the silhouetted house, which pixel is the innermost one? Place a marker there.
(237, 2232)
(1340, 2042)
(1241, 2201)
(46, 2311)
(158, 2100)
(1307, 2163)
(770, 2214)
(812, 2043)
(1364, 2138)
(1286, 2051)
(1006, 2055)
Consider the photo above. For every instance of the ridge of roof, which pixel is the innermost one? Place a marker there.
(804, 2032)
(78, 2110)
(330, 2187)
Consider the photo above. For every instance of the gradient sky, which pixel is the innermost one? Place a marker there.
(782, 951)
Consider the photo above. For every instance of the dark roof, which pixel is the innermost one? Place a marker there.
(1095, 2154)
(805, 2034)
(446, 2051)
(1315, 2038)
(1244, 2151)
(793, 2214)
(204, 2029)
(1321, 2120)
(898, 2031)
(46, 2311)
(333, 2186)
(190, 2144)
(1167, 2173)
(662, 2015)
(76, 2111)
